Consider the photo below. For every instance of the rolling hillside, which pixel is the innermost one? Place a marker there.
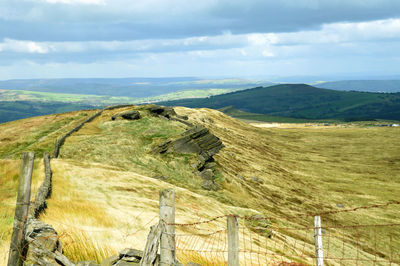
(387, 86)
(303, 101)
(107, 177)
(14, 110)
(126, 87)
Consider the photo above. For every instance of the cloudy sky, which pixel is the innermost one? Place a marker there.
(209, 38)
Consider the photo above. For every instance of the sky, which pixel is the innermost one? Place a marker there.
(206, 38)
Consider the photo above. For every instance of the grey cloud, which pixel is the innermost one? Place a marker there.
(120, 20)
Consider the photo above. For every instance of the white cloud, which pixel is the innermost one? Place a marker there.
(18, 46)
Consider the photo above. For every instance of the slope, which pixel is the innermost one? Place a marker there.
(106, 179)
(13, 110)
(304, 101)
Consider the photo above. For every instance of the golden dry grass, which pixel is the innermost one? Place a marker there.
(103, 185)
(9, 174)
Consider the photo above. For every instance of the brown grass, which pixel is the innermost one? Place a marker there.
(9, 175)
(104, 185)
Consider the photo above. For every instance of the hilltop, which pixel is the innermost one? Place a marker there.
(303, 101)
(108, 174)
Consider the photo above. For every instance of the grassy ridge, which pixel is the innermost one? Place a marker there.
(19, 104)
(106, 170)
(11, 110)
(302, 101)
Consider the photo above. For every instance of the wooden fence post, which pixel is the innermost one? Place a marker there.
(319, 252)
(21, 210)
(167, 216)
(233, 240)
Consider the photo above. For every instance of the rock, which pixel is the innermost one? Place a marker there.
(193, 264)
(44, 246)
(87, 263)
(130, 259)
(210, 185)
(125, 263)
(207, 174)
(163, 147)
(183, 117)
(256, 179)
(130, 252)
(110, 261)
(163, 111)
(240, 177)
(339, 205)
(197, 139)
(128, 115)
(161, 177)
(210, 165)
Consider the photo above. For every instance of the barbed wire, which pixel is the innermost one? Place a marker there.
(255, 218)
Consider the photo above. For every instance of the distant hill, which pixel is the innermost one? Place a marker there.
(10, 111)
(363, 85)
(303, 101)
(126, 87)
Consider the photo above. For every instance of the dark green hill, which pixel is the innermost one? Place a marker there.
(10, 111)
(363, 85)
(305, 102)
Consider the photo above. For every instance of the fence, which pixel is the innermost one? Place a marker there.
(254, 240)
(238, 240)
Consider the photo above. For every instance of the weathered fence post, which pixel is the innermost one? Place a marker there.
(233, 240)
(319, 252)
(167, 216)
(21, 209)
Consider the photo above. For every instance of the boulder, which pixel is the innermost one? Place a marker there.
(127, 115)
(207, 174)
(126, 263)
(256, 179)
(110, 261)
(164, 111)
(127, 253)
(161, 177)
(44, 246)
(210, 165)
(210, 185)
(197, 139)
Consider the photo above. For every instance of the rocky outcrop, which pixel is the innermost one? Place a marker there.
(163, 111)
(44, 246)
(168, 113)
(198, 140)
(127, 115)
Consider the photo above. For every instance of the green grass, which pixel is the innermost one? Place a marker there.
(128, 145)
(39, 136)
(302, 170)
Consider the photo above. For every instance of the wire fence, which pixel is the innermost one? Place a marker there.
(273, 240)
(264, 243)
